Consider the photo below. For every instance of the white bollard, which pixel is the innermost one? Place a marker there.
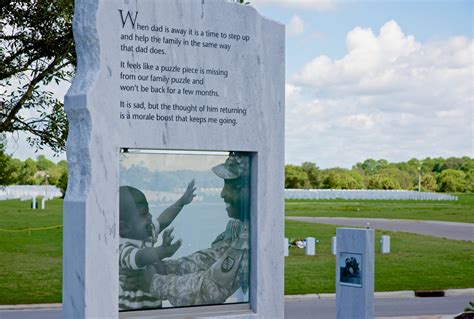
(286, 243)
(43, 203)
(33, 202)
(310, 248)
(333, 245)
(385, 244)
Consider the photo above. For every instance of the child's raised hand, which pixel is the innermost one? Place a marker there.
(188, 194)
(168, 237)
(168, 250)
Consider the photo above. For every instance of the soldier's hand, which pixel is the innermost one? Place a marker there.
(241, 242)
(131, 281)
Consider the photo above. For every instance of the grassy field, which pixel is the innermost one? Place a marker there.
(30, 260)
(453, 211)
(416, 262)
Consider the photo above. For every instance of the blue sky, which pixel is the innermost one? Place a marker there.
(424, 19)
(376, 79)
(372, 79)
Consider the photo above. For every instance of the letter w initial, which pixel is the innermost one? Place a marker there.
(127, 17)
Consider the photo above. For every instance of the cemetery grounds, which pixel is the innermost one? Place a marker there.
(31, 248)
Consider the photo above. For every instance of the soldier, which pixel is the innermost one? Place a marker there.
(212, 275)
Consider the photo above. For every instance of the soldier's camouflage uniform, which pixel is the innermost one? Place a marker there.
(207, 276)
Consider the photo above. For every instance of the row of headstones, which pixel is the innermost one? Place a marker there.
(364, 194)
(21, 191)
(310, 245)
(33, 202)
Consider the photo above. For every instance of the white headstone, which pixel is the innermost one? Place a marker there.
(333, 245)
(355, 273)
(43, 203)
(33, 202)
(286, 247)
(385, 244)
(310, 248)
(170, 75)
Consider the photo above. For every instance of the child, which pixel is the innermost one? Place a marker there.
(138, 235)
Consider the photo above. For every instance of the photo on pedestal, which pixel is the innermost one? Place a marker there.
(184, 228)
(350, 269)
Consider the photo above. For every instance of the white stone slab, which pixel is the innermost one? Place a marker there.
(98, 111)
(333, 245)
(286, 247)
(310, 249)
(355, 273)
(385, 244)
(33, 202)
(43, 203)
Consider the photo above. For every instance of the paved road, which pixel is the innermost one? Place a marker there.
(326, 309)
(318, 308)
(450, 230)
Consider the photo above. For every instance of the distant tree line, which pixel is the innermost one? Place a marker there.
(41, 171)
(453, 174)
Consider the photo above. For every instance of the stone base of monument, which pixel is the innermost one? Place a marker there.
(355, 273)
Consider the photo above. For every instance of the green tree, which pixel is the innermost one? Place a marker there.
(452, 163)
(27, 173)
(296, 177)
(401, 179)
(43, 163)
(312, 171)
(62, 183)
(36, 48)
(470, 180)
(428, 183)
(451, 180)
(382, 181)
(339, 178)
(7, 170)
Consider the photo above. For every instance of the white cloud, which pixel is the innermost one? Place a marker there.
(295, 26)
(388, 97)
(319, 5)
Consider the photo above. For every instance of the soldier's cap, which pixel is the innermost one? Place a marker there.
(235, 166)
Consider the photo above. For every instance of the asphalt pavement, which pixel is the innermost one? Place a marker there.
(450, 230)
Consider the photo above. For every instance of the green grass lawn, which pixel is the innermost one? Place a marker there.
(453, 211)
(31, 261)
(416, 262)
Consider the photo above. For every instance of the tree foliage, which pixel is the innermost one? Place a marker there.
(451, 180)
(6, 170)
(31, 172)
(454, 174)
(36, 49)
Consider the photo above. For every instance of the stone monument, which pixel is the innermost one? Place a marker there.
(174, 77)
(355, 273)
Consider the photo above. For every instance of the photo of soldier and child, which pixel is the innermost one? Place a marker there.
(151, 278)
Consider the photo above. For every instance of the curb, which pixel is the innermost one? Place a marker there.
(31, 306)
(422, 317)
(383, 294)
(378, 295)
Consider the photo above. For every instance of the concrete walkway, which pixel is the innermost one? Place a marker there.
(450, 230)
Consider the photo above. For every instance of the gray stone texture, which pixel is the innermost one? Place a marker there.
(96, 135)
(356, 302)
